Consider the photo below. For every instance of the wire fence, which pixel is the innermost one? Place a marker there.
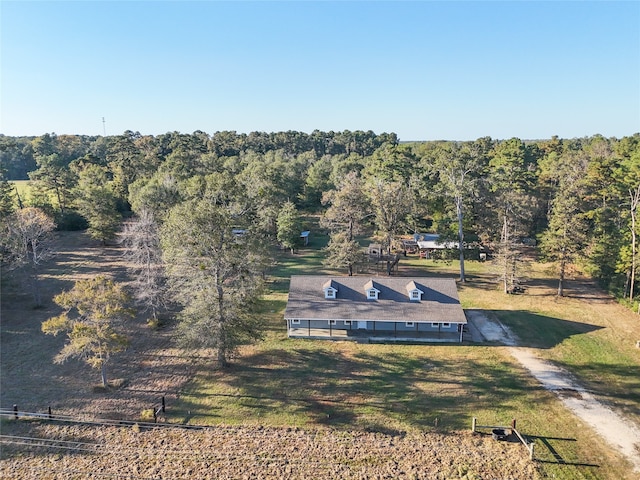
(16, 414)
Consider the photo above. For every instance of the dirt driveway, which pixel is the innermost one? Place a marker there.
(621, 434)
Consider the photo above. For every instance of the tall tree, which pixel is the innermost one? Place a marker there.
(6, 195)
(628, 176)
(269, 181)
(457, 166)
(124, 158)
(289, 226)
(391, 202)
(342, 252)
(509, 205)
(566, 234)
(390, 162)
(318, 181)
(97, 203)
(604, 194)
(141, 238)
(94, 310)
(157, 194)
(30, 243)
(54, 175)
(348, 206)
(214, 275)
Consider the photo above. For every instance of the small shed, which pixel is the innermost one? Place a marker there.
(375, 250)
(305, 237)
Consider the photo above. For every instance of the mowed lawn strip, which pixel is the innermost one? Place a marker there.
(396, 388)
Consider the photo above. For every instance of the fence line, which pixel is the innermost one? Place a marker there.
(16, 414)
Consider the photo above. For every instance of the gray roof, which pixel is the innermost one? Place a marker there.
(439, 302)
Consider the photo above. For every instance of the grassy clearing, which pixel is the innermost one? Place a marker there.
(586, 332)
(22, 188)
(393, 388)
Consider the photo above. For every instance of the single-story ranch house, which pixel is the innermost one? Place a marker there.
(375, 309)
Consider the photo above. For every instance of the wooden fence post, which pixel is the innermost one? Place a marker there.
(163, 405)
(50, 416)
(473, 425)
(15, 411)
(531, 450)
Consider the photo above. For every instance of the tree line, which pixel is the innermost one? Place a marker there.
(203, 209)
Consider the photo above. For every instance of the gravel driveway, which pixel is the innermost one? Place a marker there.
(621, 434)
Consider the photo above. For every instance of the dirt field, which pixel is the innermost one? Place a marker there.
(252, 453)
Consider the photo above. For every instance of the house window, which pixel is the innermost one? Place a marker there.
(372, 294)
(410, 324)
(332, 322)
(446, 325)
(347, 322)
(295, 322)
(435, 325)
(415, 295)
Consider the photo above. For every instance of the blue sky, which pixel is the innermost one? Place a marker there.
(424, 70)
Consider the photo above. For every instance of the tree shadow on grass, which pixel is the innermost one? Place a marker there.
(372, 391)
(555, 450)
(540, 331)
(623, 394)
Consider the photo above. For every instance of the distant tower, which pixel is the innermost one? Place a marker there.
(104, 127)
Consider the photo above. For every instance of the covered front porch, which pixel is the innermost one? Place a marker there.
(378, 336)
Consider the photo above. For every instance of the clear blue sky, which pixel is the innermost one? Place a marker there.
(425, 70)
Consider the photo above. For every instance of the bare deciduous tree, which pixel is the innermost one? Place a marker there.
(30, 243)
(141, 239)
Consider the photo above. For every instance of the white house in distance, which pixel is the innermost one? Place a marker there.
(429, 242)
(412, 309)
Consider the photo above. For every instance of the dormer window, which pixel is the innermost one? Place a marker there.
(415, 294)
(371, 291)
(330, 289)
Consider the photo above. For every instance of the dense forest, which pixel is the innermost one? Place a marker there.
(575, 199)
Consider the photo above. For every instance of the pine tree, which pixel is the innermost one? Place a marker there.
(214, 275)
(94, 309)
(289, 226)
(97, 203)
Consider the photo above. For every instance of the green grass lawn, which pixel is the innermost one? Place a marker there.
(394, 388)
(22, 188)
